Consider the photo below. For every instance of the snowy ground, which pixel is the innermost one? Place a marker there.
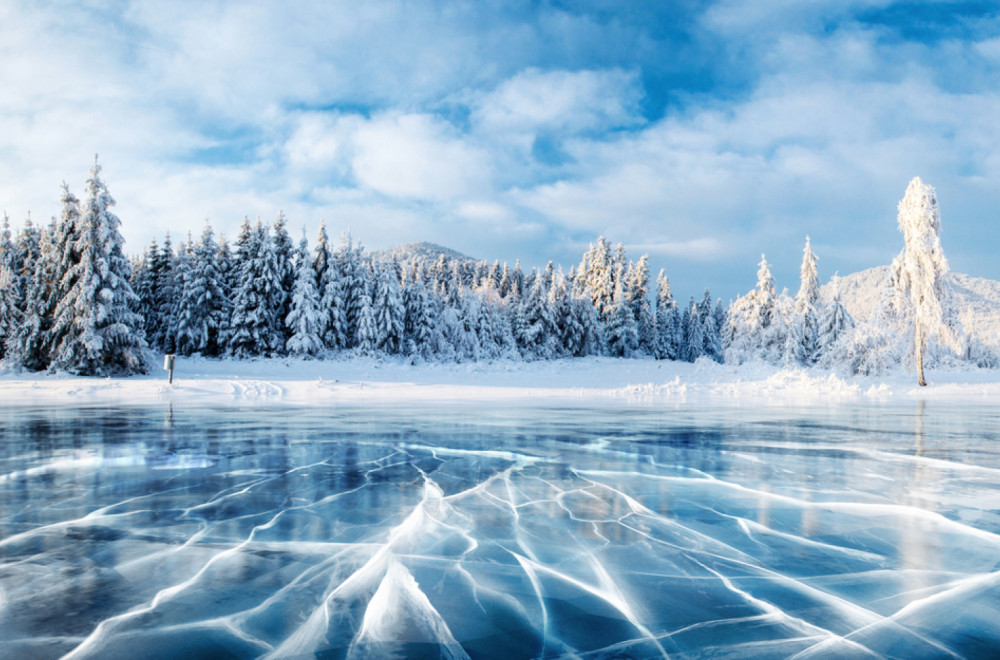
(591, 381)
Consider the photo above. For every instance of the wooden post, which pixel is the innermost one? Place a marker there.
(168, 365)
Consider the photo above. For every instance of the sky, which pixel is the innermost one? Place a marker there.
(703, 133)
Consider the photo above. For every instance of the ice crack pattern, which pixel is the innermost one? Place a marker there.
(514, 533)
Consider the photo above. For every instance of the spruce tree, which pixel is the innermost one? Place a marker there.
(801, 345)
(390, 314)
(100, 332)
(668, 321)
(638, 295)
(304, 320)
(204, 308)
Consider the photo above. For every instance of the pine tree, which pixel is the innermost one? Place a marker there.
(182, 275)
(283, 248)
(165, 292)
(366, 335)
(100, 332)
(419, 327)
(355, 285)
(389, 311)
(638, 294)
(304, 320)
(622, 335)
(227, 275)
(31, 346)
(668, 328)
(204, 308)
(834, 330)
(257, 298)
(10, 312)
(801, 344)
(26, 251)
(535, 329)
(751, 329)
(597, 276)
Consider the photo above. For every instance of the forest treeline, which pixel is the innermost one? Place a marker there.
(72, 301)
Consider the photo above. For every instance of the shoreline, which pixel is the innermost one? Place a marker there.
(359, 381)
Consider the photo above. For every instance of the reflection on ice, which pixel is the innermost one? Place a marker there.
(507, 534)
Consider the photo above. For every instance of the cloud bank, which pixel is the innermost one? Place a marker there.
(703, 134)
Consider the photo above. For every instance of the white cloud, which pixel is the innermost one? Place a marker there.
(418, 156)
(571, 101)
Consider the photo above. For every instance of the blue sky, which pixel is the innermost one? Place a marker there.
(702, 133)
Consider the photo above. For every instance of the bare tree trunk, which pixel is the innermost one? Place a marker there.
(920, 355)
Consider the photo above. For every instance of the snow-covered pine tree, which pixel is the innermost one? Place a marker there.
(621, 333)
(26, 253)
(204, 309)
(333, 309)
(321, 258)
(487, 338)
(166, 290)
(100, 332)
(366, 336)
(834, 330)
(31, 346)
(227, 275)
(10, 315)
(749, 333)
(257, 298)
(182, 275)
(10, 297)
(419, 325)
(638, 294)
(597, 274)
(390, 314)
(668, 329)
(802, 340)
(304, 319)
(283, 249)
(874, 347)
(465, 340)
(567, 329)
(144, 286)
(702, 336)
(355, 284)
(920, 270)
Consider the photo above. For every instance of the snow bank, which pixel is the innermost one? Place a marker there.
(585, 382)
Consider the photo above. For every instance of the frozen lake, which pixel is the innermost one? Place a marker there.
(490, 532)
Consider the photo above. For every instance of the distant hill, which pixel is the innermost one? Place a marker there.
(977, 299)
(421, 251)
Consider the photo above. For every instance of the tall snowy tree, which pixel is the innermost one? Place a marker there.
(257, 298)
(100, 332)
(31, 345)
(802, 341)
(622, 335)
(597, 275)
(833, 331)
(10, 313)
(753, 328)
(390, 313)
(920, 268)
(638, 294)
(165, 289)
(283, 248)
(419, 324)
(668, 321)
(204, 309)
(304, 319)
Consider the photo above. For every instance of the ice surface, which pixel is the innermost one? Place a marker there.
(498, 532)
